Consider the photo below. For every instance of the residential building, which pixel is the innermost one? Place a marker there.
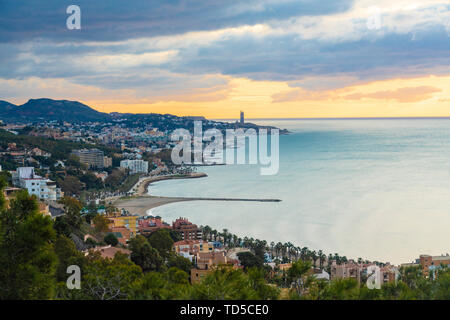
(188, 230)
(149, 224)
(108, 251)
(122, 234)
(42, 188)
(135, 166)
(205, 263)
(193, 246)
(346, 271)
(94, 158)
(129, 222)
(56, 209)
(107, 162)
(428, 262)
(101, 175)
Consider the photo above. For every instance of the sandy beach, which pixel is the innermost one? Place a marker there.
(142, 201)
(142, 185)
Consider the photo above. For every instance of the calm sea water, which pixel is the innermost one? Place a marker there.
(376, 189)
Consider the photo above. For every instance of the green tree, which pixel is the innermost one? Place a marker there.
(171, 284)
(161, 241)
(249, 260)
(26, 251)
(67, 254)
(71, 185)
(106, 279)
(144, 255)
(224, 283)
(262, 288)
(179, 262)
(342, 289)
(296, 276)
(111, 239)
(73, 212)
(101, 223)
(61, 226)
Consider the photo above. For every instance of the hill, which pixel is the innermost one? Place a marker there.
(48, 110)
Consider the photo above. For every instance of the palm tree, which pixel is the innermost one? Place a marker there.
(322, 257)
(207, 232)
(314, 257)
(304, 253)
(214, 233)
(289, 246)
(278, 248)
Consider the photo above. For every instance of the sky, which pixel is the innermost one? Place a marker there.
(268, 58)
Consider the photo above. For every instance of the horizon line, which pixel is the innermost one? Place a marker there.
(336, 118)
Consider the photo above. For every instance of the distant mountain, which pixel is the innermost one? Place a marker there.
(6, 106)
(48, 109)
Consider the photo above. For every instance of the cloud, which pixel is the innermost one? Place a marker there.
(299, 95)
(171, 48)
(409, 94)
(119, 20)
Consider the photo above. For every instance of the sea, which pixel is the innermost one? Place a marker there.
(378, 189)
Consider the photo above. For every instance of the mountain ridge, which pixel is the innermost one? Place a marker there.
(49, 109)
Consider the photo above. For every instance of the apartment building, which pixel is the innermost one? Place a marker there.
(346, 271)
(150, 224)
(135, 166)
(428, 262)
(42, 188)
(188, 230)
(205, 263)
(107, 162)
(94, 158)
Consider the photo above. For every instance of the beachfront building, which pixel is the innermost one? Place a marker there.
(42, 188)
(94, 158)
(135, 166)
(188, 230)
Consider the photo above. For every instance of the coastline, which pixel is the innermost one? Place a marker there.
(141, 202)
(143, 184)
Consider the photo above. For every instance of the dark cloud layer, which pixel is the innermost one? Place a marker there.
(119, 19)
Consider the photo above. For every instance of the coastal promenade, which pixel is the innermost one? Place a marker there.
(141, 202)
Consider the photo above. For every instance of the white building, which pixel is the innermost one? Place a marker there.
(42, 188)
(135, 166)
